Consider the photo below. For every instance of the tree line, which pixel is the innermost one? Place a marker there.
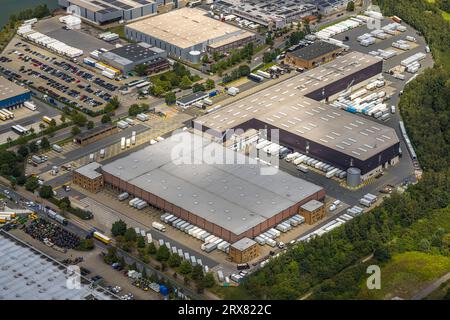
(331, 264)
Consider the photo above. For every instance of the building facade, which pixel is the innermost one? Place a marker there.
(244, 250)
(313, 55)
(96, 134)
(12, 95)
(185, 33)
(127, 57)
(313, 211)
(89, 177)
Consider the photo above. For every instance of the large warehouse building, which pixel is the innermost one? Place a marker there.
(307, 125)
(269, 13)
(186, 33)
(232, 201)
(127, 57)
(106, 11)
(12, 95)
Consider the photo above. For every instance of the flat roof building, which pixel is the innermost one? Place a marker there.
(231, 200)
(244, 250)
(269, 13)
(127, 57)
(107, 11)
(89, 177)
(182, 31)
(12, 95)
(29, 274)
(313, 211)
(313, 55)
(310, 126)
(96, 134)
(191, 98)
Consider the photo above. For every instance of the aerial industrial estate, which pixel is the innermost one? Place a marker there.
(190, 144)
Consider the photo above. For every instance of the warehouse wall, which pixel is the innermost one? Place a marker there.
(123, 186)
(15, 101)
(341, 85)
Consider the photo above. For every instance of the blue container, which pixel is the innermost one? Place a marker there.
(163, 290)
(213, 93)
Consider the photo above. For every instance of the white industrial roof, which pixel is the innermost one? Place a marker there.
(285, 106)
(185, 27)
(28, 274)
(235, 196)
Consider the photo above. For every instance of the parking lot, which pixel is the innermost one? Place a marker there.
(73, 84)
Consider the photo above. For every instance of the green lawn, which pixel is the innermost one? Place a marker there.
(406, 273)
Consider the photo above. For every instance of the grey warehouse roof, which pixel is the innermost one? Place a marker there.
(243, 244)
(131, 53)
(234, 196)
(285, 106)
(9, 89)
(315, 50)
(28, 274)
(90, 170)
(312, 205)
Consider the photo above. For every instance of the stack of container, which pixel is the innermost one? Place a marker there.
(401, 44)
(133, 137)
(355, 211)
(414, 58)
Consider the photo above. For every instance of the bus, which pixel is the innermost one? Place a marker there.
(3, 116)
(7, 213)
(135, 83)
(19, 130)
(9, 113)
(101, 237)
(47, 119)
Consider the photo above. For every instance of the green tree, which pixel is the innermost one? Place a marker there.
(130, 235)
(170, 98)
(350, 6)
(208, 280)
(163, 253)
(31, 184)
(185, 267)
(185, 82)
(90, 125)
(198, 87)
(106, 118)
(33, 147)
(197, 272)
(23, 151)
(134, 110)
(174, 261)
(209, 84)
(151, 249)
(118, 228)
(75, 130)
(79, 119)
(140, 242)
(45, 144)
(46, 192)
(244, 70)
